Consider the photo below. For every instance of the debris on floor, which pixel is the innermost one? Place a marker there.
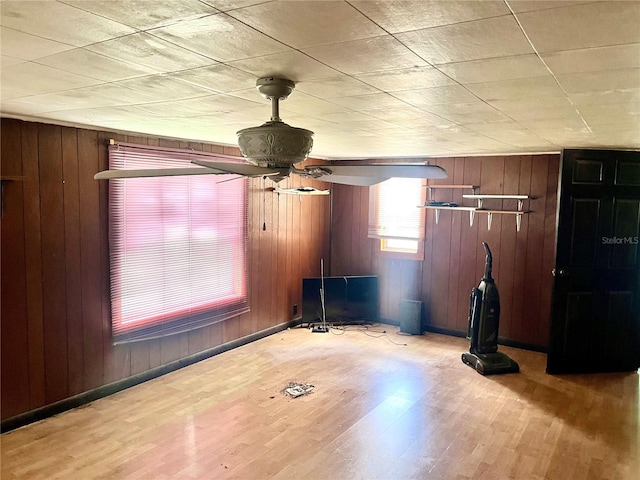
(295, 389)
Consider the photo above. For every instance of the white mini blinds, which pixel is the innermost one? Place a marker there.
(177, 245)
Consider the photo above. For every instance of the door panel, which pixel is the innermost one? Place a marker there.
(595, 324)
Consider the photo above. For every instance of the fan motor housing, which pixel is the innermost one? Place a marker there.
(275, 143)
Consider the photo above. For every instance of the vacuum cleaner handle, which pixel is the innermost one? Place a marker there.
(488, 262)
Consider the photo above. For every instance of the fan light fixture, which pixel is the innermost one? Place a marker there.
(275, 144)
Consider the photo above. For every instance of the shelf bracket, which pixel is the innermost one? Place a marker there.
(437, 215)
(489, 219)
(472, 214)
(518, 219)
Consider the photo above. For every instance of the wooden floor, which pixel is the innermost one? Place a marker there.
(379, 410)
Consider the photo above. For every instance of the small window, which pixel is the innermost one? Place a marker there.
(394, 216)
(177, 246)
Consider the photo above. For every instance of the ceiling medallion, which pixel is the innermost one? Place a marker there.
(274, 143)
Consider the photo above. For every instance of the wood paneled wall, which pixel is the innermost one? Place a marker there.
(56, 339)
(454, 257)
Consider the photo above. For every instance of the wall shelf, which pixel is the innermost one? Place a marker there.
(480, 206)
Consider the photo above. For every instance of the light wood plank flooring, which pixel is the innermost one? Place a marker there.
(379, 410)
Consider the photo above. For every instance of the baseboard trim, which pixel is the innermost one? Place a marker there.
(457, 333)
(106, 390)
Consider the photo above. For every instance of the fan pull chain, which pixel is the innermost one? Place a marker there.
(264, 205)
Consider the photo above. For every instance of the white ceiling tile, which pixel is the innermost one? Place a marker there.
(366, 55)
(137, 14)
(516, 88)
(406, 15)
(28, 47)
(406, 79)
(463, 113)
(347, 117)
(530, 104)
(370, 102)
(489, 38)
(213, 105)
(98, 96)
(59, 22)
(519, 6)
(219, 77)
(7, 61)
(631, 95)
(594, 59)
(583, 26)
(90, 64)
(436, 96)
(293, 65)
(572, 126)
(565, 112)
(150, 52)
(335, 87)
(600, 81)
(492, 69)
(303, 24)
(220, 37)
(164, 87)
(30, 79)
(311, 106)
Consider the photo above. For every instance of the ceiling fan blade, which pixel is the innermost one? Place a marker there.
(238, 168)
(352, 180)
(154, 172)
(384, 171)
(301, 191)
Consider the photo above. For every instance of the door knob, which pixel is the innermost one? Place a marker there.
(560, 272)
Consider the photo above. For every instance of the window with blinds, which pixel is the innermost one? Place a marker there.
(394, 216)
(177, 245)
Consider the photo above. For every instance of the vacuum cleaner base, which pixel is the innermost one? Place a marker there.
(490, 363)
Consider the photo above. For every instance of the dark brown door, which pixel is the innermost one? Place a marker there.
(595, 323)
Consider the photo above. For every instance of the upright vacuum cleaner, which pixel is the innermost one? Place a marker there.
(484, 318)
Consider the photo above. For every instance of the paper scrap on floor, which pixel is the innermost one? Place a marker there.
(298, 389)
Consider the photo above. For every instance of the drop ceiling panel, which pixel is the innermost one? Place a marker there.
(436, 96)
(517, 88)
(137, 14)
(594, 59)
(292, 64)
(489, 38)
(463, 113)
(60, 22)
(217, 78)
(367, 55)
(335, 87)
(150, 52)
(27, 79)
(583, 26)
(406, 79)
(303, 24)
(600, 81)
(219, 37)
(90, 64)
(28, 47)
(492, 69)
(404, 16)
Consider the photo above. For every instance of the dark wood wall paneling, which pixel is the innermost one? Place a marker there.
(454, 256)
(55, 266)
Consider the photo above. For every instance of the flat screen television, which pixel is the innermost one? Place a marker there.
(348, 300)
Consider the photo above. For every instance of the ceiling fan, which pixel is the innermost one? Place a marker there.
(272, 149)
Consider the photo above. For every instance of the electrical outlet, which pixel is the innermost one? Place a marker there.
(295, 309)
